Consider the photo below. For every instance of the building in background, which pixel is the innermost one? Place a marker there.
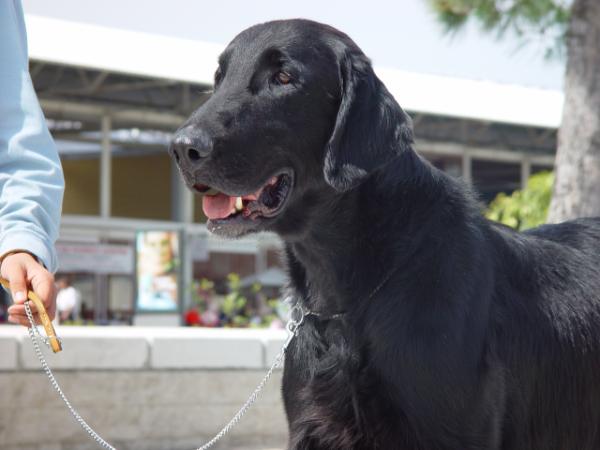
(112, 98)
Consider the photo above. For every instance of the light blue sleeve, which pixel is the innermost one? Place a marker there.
(31, 179)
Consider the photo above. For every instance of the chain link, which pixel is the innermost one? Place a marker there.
(291, 327)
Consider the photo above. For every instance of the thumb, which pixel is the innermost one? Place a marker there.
(16, 274)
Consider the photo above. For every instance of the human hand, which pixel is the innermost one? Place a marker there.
(21, 270)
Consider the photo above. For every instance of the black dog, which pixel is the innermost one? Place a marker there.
(432, 327)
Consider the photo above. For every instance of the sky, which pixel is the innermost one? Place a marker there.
(401, 34)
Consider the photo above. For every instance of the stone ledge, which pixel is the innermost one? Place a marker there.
(207, 352)
(273, 345)
(79, 353)
(8, 353)
(135, 348)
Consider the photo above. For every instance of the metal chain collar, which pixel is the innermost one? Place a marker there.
(297, 315)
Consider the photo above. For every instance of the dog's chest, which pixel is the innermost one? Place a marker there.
(333, 398)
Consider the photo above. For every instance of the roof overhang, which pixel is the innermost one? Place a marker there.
(478, 100)
(157, 56)
(122, 51)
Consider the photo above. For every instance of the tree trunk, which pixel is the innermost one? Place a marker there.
(577, 166)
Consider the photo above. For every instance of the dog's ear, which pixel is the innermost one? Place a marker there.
(370, 129)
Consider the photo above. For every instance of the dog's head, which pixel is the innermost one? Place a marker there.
(297, 116)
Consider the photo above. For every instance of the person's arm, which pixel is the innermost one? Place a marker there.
(31, 180)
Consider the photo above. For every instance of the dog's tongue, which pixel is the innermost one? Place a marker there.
(218, 206)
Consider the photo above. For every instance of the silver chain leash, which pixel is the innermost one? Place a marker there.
(292, 327)
(33, 334)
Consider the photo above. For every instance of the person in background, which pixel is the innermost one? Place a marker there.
(31, 178)
(68, 300)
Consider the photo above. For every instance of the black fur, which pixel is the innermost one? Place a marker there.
(479, 338)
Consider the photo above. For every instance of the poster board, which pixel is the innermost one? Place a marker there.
(158, 271)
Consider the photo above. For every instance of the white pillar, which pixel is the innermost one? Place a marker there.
(182, 210)
(467, 167)
(105, 168)
(182, 199)
(525, 172)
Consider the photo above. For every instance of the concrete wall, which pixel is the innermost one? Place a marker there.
(141, 388)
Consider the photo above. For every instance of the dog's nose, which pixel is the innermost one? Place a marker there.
(190, 146)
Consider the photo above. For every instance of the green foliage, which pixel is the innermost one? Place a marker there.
(234, 308)
(527, 18)
(234, 303)
(526, 208)
(202, 292)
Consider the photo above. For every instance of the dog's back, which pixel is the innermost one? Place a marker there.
(547, 332)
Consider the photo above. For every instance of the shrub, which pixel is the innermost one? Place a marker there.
(240, 307)
(526, 208)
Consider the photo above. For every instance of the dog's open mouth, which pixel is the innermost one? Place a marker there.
(266, 202)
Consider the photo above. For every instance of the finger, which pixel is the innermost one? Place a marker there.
(18, 313)
(19, 310)
(20, 320)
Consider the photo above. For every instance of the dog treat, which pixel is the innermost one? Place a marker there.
(46, 322)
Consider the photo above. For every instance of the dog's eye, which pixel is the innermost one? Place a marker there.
(282, 77)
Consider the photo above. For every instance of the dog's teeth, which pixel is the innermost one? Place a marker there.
(239, 205)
